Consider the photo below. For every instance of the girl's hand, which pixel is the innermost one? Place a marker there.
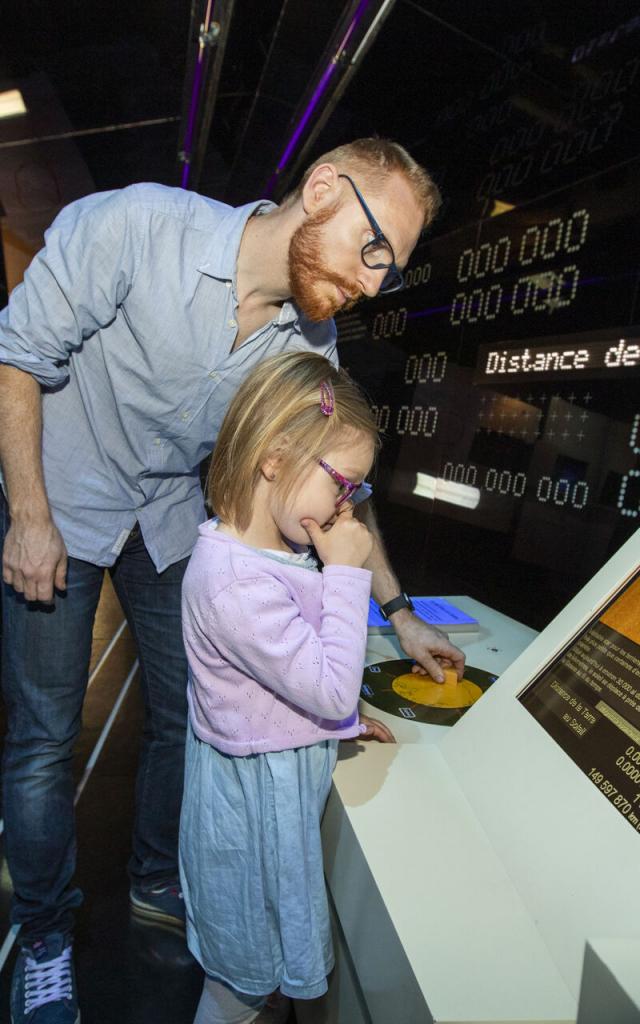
(348, 542)
(375, 730)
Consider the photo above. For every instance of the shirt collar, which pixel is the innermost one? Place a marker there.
(222, 257)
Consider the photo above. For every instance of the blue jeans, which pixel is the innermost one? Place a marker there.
(45, 666)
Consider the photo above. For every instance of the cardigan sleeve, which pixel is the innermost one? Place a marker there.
(257, 626)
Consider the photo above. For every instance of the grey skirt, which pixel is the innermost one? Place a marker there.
(251, 867)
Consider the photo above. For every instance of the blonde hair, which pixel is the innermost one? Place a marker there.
(373, 161)
(277, 409)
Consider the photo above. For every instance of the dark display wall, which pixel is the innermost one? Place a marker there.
(506, 375)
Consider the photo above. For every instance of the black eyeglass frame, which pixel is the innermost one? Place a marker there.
(394, 278)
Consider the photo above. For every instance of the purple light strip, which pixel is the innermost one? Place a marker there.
(195, 100)
(319, 90)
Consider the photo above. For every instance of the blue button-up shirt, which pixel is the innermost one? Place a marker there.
(127, 318)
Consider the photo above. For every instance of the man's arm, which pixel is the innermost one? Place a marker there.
(34, 559)
(429, 646)
(71, 288)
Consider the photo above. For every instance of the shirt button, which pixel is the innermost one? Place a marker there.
(232, 323)
(185, 415)
(228, 284)
(214, 375)
(157, 440)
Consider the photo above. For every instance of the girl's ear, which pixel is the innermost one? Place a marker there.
(271, 465)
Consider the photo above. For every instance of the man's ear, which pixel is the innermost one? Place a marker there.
(321, 188)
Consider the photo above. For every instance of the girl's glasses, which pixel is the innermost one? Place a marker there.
(347, 487)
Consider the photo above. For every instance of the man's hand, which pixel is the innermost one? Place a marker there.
(34, 560)
(428, 646)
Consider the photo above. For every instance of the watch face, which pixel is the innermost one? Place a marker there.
(391, 686)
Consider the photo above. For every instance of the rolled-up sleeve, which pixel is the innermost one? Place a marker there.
(73, 286)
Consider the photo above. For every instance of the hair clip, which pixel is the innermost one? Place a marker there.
(327, 400)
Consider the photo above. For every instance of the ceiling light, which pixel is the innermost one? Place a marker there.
(11, 103)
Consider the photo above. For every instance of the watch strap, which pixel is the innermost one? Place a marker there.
(395, 604)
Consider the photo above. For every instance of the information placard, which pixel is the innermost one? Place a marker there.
(589, 701)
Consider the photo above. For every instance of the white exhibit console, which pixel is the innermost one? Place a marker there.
(468, 864)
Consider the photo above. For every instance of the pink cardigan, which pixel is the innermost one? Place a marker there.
(275, 651)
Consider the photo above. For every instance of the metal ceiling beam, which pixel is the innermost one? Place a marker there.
(208, 34)
(351, 40)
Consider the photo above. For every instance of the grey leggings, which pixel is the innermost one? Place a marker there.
(221, 1005)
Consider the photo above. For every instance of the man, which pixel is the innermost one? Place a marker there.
(132, 330)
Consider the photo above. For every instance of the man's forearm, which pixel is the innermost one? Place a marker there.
(385, 584)
(21, 444)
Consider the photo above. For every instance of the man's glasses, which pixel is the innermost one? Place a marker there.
(378, 253)
(347, 488)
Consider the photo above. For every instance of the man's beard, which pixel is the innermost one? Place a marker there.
(307, 272)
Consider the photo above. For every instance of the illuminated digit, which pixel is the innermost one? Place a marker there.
(545, 483)
(543, 285)
(426, 273)
(490, 486)
(465, 272)
(458, 475)
(633, 512)
(482, 261)
(501, 253)
(437, 375)
(578, 222)
(389, 324)
(504, 482)
(519, 484)
(556, 301)
(580, 500)
(413, 430)
(526, 283)
(422, 377)
(410, 374)
(558, 497)
(430, 421)
(471, 476)
(458, 308)
(382, 415)
(477, 296)
(534, 233)
(489, 312)
(401, 321)
(548, 254)
(377, 326)
(408, 278)
(448, 469)
(633, 436)
(403, 410)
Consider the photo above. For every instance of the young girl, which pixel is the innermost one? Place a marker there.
(276, 652)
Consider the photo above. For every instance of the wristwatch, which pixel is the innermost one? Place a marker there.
(395, 604)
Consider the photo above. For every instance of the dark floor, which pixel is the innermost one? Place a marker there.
(127, 973)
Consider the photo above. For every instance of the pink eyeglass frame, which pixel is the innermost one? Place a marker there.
(349, 486)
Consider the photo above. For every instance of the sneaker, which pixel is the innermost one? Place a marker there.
(162, 903)
(43, 988)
